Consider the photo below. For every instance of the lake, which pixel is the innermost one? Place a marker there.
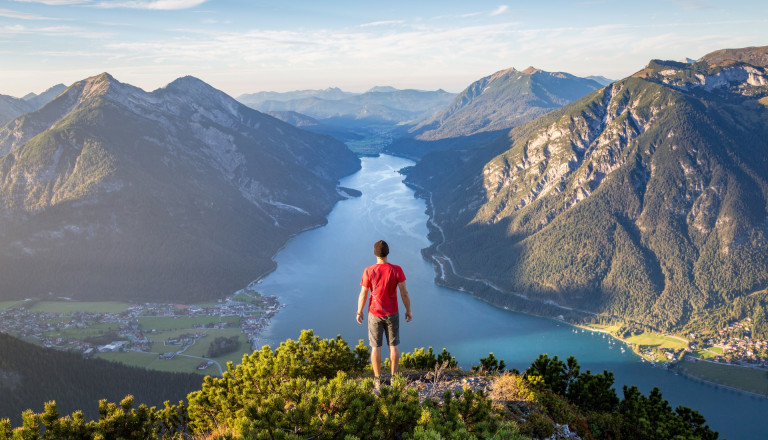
(318, 280)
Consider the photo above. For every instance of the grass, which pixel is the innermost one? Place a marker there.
(179, 364)
(612, 329)
(166, 323)
(84, 306)
(704, 354)
(84, 333)
(657, 341)
(8, 304)
(747, 379)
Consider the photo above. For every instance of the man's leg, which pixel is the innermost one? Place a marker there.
(376, 360)
(394, 358)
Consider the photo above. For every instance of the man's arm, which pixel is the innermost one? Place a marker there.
(406, 301)
(361, 303)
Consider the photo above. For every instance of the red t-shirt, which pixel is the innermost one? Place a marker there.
(382, 280)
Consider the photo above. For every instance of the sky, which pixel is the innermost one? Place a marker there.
(246, 46)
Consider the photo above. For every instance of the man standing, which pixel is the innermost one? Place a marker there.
(383, 279)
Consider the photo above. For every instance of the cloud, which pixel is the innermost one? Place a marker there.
(23, 15)
(382, 23)
(56, 31)
(56, 2)
(151, 4)
(500, 10)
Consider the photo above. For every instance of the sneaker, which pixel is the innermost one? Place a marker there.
(376, 383)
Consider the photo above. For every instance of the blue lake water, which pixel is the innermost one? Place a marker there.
(318, 277)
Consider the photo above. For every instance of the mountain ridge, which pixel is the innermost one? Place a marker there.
(177, 185)
(629, 202)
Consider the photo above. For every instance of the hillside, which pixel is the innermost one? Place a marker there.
(319, 388)
(500, 101)
(646, 199)
(182, 193)
(32, 375)
(11, 107)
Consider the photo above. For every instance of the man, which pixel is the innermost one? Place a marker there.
(383, 279)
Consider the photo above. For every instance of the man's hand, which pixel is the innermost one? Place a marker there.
(359, 317)
(408, 316)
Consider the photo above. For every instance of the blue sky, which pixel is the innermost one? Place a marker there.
(243, 46)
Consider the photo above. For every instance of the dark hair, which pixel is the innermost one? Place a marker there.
(381, 249)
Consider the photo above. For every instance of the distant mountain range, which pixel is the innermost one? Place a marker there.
(109, 191)
(11, 107)
(500, 101)
(382, 105)
(647, 199)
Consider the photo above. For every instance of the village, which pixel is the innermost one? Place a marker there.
(733, 344)
(132, 327)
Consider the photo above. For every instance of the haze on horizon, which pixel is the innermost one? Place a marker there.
(241, 46)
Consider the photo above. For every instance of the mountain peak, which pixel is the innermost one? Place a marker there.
(501, 73)
(188, 83)
(98, 85)
(531, 70)
(382, 89)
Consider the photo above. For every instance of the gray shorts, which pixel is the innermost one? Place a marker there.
(379, 325)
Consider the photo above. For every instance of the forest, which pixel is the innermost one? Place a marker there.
(322, 389)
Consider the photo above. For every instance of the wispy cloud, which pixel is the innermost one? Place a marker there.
(23, 15)
(56, 2)
(151, 4)
(382, 23)
(57, 31)
(500, 10)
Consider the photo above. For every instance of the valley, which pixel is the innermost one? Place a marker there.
(163, 337)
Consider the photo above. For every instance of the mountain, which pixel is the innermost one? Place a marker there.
(40, 100)
(599, 79)
(504, 100)
(183, 193)
(295, 119)
(305, 122)
(380, 105)
(11, 107)
(646, 199)
(496, 102)
(255, 99)
(757, 56)
(31, 375)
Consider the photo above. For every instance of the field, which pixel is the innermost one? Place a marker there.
(657, 341)
(84, 306)
(157, 329)
(182, 363)
(7, 304)
(153, 362)
(747, 379)
(606, 328)
(165, 323)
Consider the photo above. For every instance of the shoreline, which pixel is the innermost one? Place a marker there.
(433, 255)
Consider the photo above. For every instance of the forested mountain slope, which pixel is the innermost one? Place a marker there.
(647, 199)
(183, 193)
(500, 101)
(32, 375)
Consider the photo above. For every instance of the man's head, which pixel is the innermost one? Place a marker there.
(381, 249)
